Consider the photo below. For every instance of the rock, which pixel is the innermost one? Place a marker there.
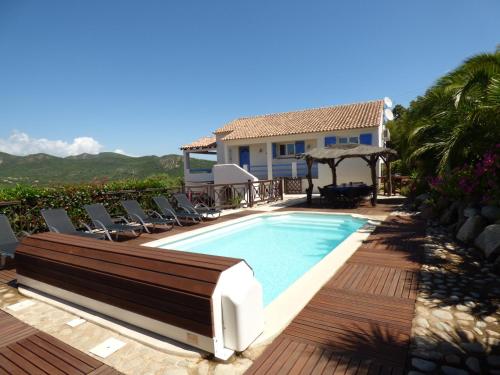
(442, 314)
(489, 240)
(427, 354)
(452, 359)
(453, 371)
(473, 364)
(423, 365)
(422, 322)
(427, 211)
(463, 316)
(491, 213)
(490, 319)
(471, 228)
(471, 212)
(473, 347)
(449, 215)
(493, 360)
(462, 308)
(492, 333)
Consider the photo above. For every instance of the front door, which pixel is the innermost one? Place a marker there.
(244, 156)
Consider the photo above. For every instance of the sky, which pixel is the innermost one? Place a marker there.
(144, 77)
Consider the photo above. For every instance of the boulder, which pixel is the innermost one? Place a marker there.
(490, 213)
(489, 240)
(427, 211)
(471, 228)
(471, 211)
(450, 215)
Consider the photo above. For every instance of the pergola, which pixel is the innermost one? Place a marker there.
(335, 154)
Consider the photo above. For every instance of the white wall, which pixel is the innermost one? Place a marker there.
(231, 174)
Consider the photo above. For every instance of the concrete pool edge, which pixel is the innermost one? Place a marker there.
(281, 311)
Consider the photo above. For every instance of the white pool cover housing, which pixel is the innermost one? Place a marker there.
(230, 305)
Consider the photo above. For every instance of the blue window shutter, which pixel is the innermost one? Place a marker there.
(300, 147)
(365, 139)
(274, 150)
(330, 141)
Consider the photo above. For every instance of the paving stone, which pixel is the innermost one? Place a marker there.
(463, 316)
(491, 333)
(452, 359)
(473, 347)
(423, 364)
(493, 360)
(442, 314)
(447, 370)
(473, 364)
(422, 322)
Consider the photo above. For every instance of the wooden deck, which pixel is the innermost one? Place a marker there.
(360, 321)
(26, 350)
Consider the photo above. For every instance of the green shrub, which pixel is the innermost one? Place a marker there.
(25, 215)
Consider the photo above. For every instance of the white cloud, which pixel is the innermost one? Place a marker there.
(120, 151)
(19, 143)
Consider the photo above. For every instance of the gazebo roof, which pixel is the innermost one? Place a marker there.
(346, 151)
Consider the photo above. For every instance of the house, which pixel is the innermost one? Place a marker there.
(265, 147)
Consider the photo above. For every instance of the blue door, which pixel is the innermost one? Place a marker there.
(244, 156)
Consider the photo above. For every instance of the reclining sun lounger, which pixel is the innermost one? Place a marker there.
(167, 211)
(137, 214)
(8, 240)
(58, 221)
(102, 220)
(200, 208)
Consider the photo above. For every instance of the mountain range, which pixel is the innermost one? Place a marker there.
(43, 169)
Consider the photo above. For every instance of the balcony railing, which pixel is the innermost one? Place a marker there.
(284, 170)
(236, 195)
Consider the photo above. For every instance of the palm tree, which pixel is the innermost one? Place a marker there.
(457, 119)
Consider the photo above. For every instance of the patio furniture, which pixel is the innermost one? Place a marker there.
(8, 240)
(58, 221)
(200, 208)
(102, 220)
(136, 213)
(167, 211)
(345, 195)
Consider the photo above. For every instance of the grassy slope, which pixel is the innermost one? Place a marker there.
(42, 169)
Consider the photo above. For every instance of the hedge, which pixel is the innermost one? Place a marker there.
(22, 204)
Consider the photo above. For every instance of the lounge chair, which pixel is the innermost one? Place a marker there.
(167, 211)
(200, 208)
(137, 214)
(58, 221)
(102, 220)
(8, 240)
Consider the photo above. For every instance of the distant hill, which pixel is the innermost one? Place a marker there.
(43, 169)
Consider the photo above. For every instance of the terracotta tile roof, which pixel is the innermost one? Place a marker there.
(340, 117)
(203, 142)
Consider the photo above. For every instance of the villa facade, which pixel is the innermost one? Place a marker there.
(265, 147)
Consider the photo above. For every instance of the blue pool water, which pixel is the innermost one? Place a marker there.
(279, 248)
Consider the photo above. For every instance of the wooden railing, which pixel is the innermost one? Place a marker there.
(236, 195)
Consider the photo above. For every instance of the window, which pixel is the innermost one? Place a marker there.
(330, 141)
(349, 140)
(287, 149)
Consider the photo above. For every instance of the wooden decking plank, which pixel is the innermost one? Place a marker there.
(10, 368)
(20, 361)
(82, 358)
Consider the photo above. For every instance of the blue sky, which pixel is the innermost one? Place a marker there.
(147, 76)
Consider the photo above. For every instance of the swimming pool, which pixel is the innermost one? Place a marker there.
(279, 248)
